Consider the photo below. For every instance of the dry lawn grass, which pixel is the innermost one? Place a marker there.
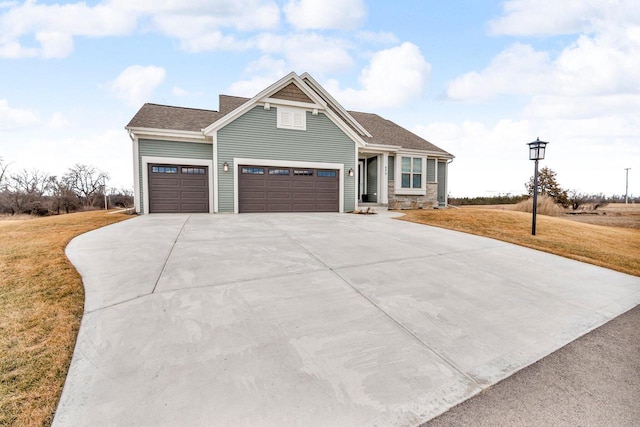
(41, 304)
(610, 247)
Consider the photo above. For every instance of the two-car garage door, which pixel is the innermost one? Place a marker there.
(185, 188)
(287, 189)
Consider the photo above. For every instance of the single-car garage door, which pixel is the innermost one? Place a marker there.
(178, 188)
(283, 189)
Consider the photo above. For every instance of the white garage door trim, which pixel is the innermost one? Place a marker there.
(290, 164)
(173, 161)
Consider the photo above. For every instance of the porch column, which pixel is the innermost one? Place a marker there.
(383, 172)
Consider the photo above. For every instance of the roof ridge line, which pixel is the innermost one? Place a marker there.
(182, 108)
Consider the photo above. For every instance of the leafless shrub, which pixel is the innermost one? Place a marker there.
(546, 206)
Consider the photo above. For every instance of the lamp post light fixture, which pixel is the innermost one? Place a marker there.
(536, 152)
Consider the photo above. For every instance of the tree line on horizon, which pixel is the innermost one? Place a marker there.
(547, 185)
(34, 192)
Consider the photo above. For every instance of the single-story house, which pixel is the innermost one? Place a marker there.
(290, 148)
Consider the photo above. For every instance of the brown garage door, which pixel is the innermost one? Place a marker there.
(178, 188)
(282, 189)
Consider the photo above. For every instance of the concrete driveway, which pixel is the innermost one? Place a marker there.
(313, 319)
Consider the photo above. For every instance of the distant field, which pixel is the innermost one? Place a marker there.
(612, 214)
(604, 244)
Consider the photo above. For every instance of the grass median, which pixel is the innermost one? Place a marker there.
(611, 247)
(41, 304)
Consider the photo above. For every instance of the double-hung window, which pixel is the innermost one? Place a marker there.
(412, 172)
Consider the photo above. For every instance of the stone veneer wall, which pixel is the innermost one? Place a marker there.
(430, 200)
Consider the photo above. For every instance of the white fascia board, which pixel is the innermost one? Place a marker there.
(424, 153)
(215, 191)
(167, 133)
(288, 103)
(378, 148)
(256, 100)
(136, 174)
(334, 103)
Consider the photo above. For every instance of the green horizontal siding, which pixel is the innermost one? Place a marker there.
(179, 149)
(255, 135)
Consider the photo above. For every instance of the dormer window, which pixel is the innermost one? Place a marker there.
(292, 118)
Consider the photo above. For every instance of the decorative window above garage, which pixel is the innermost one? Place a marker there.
(292, 118)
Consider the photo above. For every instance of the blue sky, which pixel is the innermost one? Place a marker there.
(480, 79)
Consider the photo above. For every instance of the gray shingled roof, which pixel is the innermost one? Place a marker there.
(156, 116)
(386, 132)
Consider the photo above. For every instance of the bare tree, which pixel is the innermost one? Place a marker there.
(3, 174)
(576, 199)
(121, 197)
(26, 190)
(87, 182)
(62, 196)
(5, 201)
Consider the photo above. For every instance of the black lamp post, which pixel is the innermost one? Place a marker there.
(536, 152)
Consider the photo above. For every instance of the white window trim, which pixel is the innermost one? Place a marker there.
(288, 164)
(422, 191)
(146, 160)
(294, 112)
(136, 173)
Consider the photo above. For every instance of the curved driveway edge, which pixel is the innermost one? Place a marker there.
(313, 319)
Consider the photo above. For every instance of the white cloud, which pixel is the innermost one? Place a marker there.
(55, 44)
(182, 93)
(13, 50)
(489, 159)
(328, 54)
(58, 121)
(15, 118)
(519, 69)
(585, 100)
(54, 27)
(264, 72)
(197, 24)
(586, 151)
(326, 14)
(377, 37)
(106, 149)
(589, 66)
(136, 83)
(393, 78)
(551, 17)
(179, 92)
(562, 107)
